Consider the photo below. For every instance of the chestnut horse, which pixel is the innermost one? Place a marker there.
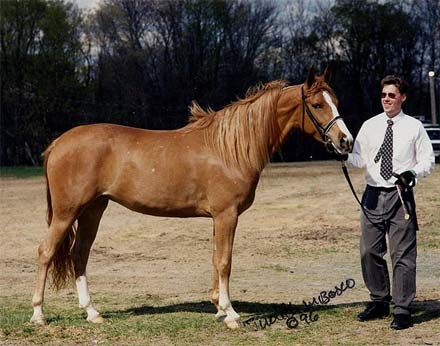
(209, 168)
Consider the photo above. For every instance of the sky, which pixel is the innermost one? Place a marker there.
(90, 4)
(86, 4)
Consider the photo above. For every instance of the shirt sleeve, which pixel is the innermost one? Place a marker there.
(425, 159)
(357, 157)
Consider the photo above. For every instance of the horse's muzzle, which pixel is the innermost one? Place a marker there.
(344, 145)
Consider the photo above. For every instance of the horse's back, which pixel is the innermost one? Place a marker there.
(96, 132)
(103, 149)
(93, 139)
(164, 173)
(77, 162)
(141, 169)
(83, 142)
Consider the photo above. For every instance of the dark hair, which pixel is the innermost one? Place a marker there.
(400, 83)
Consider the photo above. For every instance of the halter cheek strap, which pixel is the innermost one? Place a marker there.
(321, 130)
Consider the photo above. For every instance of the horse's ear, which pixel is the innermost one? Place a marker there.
(327, 73)
(310, 76)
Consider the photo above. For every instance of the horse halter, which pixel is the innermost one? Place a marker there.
(321, 130)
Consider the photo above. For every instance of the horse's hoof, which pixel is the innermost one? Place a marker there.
(39, 321)
(233, 324)
(220, 315)
(97, 320)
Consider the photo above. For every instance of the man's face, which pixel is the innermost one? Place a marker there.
(392, 100)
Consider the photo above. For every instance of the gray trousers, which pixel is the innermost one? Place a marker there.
(385, 215)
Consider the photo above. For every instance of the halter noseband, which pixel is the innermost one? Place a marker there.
(321, 130)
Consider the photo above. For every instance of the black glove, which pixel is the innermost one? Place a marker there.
(340, 157)
(406, 179)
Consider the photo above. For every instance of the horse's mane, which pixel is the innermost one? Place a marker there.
(242, 131)
(317, 86)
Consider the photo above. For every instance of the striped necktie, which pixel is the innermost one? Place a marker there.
(386, 151)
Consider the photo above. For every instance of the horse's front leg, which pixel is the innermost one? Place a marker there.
(225, 224)
(220, 315)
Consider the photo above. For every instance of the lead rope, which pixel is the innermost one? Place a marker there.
(347, 177)
(365, 211)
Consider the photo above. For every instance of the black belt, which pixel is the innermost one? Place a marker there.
(381, 188)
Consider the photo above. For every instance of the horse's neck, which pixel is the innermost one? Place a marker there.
(289, 115)
(247, 142)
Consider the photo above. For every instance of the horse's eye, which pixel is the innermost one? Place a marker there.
(316, 105)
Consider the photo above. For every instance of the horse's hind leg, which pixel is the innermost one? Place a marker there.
(46, 252)
(88, 224)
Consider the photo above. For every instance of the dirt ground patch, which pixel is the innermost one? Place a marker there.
(300, 237)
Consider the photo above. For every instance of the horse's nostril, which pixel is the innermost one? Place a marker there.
(345, 142)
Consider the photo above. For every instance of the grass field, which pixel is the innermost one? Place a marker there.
(21, 172)
(150, 277)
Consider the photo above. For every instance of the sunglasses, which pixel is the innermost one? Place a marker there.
(390, 95)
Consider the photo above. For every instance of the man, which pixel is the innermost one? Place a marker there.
(394, 149)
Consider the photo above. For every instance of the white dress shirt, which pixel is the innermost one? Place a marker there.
(412, 148)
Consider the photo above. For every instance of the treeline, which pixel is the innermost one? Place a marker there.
(140, 63)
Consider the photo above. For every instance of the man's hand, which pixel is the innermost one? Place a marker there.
(406, 179)
(340, 157)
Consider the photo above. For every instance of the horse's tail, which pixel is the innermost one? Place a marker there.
(62, 269)
(49, 213)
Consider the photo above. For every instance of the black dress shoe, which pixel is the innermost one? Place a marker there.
(374, 310)
(401, 321)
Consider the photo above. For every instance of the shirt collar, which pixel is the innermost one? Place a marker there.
(397, 118)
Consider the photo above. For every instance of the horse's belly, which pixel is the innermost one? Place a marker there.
(167, 211)
(162, 198)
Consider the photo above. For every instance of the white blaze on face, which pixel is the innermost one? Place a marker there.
(335, 113)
